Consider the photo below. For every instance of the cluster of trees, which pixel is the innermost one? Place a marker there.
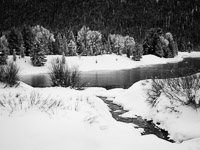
(124, 45)
(30, 41)
(124, 17)
(38, 41)
(159, 44)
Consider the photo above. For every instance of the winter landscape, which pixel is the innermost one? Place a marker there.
(159, 110)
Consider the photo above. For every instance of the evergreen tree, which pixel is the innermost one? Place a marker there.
(109, 48)
(28, 39)
(57, 45)
(173, 50)
(150, 42)
(44, 37)
(14, 55)
(15, 40)
(3, 57)
(37, 55)
(22, 51)
(129, 45)
(82, 41)
(137, 53)
(64, 45)
(63, 58)
(155, 43)
(3, 50)
(72, 48)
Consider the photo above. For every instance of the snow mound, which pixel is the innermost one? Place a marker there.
(181, 121)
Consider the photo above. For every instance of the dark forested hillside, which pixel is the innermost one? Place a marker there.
(133, 17)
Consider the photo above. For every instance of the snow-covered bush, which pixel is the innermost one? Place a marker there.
(185, 90)
(4, 50)
(9, 74)
(61, 75)
(37, 55)
(10, 103)
(44, 37)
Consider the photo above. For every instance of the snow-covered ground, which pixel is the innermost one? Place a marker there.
(63, 118)
(101, 62)
(181, 121)
(81, 121)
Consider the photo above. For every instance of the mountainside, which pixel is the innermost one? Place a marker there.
(181, 18)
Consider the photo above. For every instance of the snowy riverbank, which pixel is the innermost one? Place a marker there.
(101, 62)
(181, 121)
(82, 121)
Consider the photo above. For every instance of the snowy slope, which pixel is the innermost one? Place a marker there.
(181, 121)
(82, 122)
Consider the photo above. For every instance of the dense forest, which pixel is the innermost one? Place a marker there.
(132, 17)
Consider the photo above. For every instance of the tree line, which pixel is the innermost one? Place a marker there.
(37, 42)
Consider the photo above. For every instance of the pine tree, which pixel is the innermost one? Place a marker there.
(3, 50)
(63, 58)
(109, 48)
(3, 57)
(28, 39)
(57, 45)
(72, 46)
(173, 50)
(137, 53)
(37, 55)
(14, 55)
(44, 37)
(82, 40)
(15, 40)
(22, 51)
(64, 45)
(155, 43)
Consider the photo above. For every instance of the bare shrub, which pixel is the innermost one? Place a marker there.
(182, 89)
(61, 75)
(9, 74)
(14, 102)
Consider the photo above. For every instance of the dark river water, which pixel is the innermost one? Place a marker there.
(125, 78)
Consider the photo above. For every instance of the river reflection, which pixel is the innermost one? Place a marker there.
(125, 78)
